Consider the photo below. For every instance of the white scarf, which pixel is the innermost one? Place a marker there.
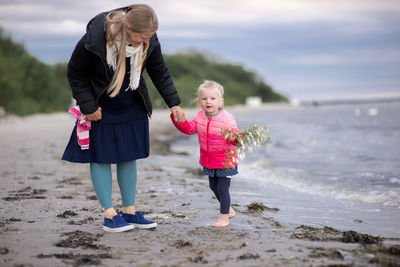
(135, 54)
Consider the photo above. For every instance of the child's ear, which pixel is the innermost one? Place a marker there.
(221, 102)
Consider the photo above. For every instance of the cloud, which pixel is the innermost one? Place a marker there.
(269, 11)
(325, 87)
(54, 28)
(55, 17)
(50, 18)
(347, 57)
(302, 47)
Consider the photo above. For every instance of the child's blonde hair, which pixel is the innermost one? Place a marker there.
(211, 84)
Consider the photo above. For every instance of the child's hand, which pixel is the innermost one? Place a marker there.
(233, 137)
(239, 139)
(179, 115)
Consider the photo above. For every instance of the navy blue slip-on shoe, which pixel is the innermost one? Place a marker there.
(116, 225)
(138, 220)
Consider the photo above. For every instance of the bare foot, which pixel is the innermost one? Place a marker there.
(232, 213)
(222, 221)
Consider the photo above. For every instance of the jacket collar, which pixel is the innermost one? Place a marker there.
(214, 115)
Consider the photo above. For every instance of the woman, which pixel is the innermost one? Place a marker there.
(105, 74)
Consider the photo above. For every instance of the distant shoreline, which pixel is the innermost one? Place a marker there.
(351, 101)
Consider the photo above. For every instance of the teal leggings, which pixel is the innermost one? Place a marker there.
(102, 182)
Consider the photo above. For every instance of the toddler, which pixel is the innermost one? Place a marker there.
(208, 124)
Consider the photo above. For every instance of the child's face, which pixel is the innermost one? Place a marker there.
(210, 100)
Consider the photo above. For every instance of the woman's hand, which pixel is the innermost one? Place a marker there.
(179, 115)
(95, 116)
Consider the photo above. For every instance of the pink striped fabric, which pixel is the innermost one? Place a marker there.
(83, 126)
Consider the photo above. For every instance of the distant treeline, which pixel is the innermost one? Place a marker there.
(29, 86)
(189, 70)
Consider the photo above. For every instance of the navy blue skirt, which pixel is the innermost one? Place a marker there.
(121, 135)
(220, 172)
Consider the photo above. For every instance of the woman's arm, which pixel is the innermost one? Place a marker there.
(160, 76)
(78, 77)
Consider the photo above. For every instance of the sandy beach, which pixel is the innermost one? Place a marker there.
(50, 215)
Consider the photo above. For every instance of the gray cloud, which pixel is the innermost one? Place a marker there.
(298, 46)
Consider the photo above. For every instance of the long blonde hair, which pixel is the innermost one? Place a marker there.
(140, 18)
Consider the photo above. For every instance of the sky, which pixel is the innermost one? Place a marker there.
(305, 49)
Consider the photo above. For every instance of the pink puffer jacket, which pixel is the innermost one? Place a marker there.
(213, 145)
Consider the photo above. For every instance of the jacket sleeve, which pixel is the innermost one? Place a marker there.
(161, 77)
(78, 77)
(187, 127)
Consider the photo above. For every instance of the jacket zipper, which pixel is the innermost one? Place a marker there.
(105, 69)
(144, 102)
(208, 126)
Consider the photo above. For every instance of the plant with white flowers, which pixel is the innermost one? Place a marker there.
(247, 139)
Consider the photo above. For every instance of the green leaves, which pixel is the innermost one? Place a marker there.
(247, 139)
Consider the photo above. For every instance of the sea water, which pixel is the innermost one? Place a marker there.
(334, 165)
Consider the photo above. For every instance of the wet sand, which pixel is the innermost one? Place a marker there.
(49, 214)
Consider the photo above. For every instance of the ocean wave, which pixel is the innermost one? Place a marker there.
(264, 173)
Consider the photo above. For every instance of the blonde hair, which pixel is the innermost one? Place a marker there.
(140, 18)
(211, 84)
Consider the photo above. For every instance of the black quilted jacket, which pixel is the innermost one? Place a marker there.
(89, 75)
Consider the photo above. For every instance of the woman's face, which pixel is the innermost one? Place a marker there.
(136, 39)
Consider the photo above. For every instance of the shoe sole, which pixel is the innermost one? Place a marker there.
(119, 229)
(145, 226)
